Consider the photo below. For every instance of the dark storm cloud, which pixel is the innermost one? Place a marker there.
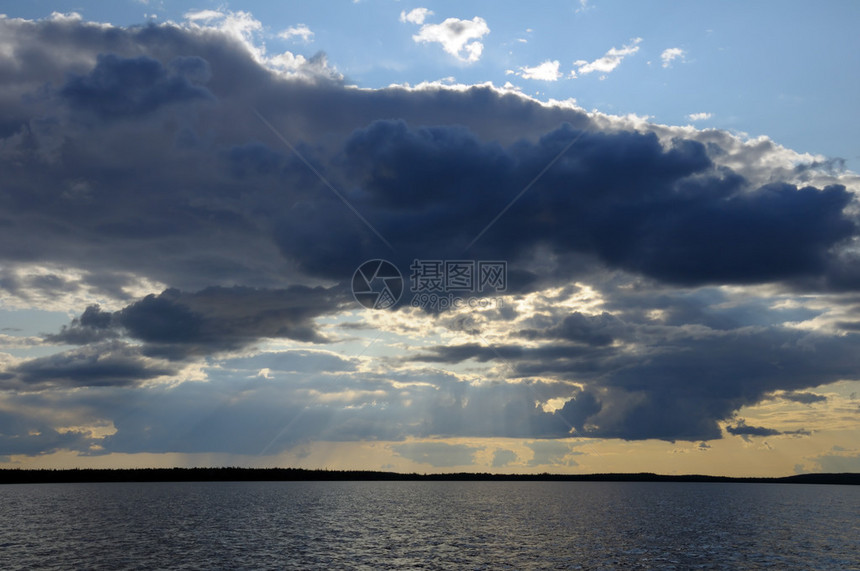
(802, 397)
(598, 330)
(27, 434)
(135, 156)
(227, 318)
(745, 431)
(176, 324)
(620, 197)
(134, 87)
(685, 386)
(514, 353)
(36, 444)
(510, 410)
(710, 307)
(92, 326)
(238, 411)
(211, 187)
(96, 365)
(672, 386)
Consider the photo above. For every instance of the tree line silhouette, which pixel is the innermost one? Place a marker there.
(237, 474)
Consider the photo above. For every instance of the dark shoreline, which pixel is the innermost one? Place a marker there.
(26, 476)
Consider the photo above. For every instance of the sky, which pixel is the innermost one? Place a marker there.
(430, 237)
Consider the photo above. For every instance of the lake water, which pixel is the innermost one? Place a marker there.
(429, 525)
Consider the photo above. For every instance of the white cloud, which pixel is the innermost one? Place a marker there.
(203, 15)
(299, 31)
(547, 71)
(671, 54)
(248, 31)
(460, 38)
(416, 16)
(68, 17)
(240, 25)
(288, 61)
(699, 116)
(611, 60)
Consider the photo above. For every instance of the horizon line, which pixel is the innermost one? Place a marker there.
(220, 474)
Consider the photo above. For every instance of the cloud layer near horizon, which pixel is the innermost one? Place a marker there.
(137, 156)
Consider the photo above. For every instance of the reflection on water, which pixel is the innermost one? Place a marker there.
(435, 525)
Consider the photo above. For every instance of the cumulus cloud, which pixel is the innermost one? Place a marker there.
(298, 31)
(671, 54)
(415, 16)
(610, 60)
(460, 38)
(240, 25)
(699, 116)
(186, 237)
(246, 32)
(547, 71)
